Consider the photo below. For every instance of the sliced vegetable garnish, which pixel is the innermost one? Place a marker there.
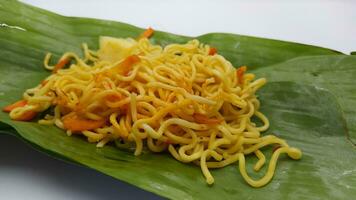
(77, 123)
(203, 119)
(240, 73)
(212, 51)
(147, 33)
(60, 64)
(17, 104)
(126, 65)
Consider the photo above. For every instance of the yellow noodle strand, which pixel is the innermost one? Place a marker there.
(176, 98)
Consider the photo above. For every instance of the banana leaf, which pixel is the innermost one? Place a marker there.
(309, 100)
(336, 74)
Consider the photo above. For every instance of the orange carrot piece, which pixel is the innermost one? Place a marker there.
(126, 65)
(27, 116)
(240, 73)
(212, 51)
(60, 64)
(125, 108)
(76, 123)
(17, 104)
(203, 119)
(113, 97)
(175, 129)
(44, 82)
(147, 33)
(168, 142)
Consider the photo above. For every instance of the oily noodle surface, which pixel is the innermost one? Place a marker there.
(181, 98)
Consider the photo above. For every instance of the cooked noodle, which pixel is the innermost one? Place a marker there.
(180, 99)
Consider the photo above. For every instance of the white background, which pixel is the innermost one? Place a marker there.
(27, 174)
(327, 23)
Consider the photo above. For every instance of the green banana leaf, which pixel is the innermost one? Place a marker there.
(309, 100)
(337, 74)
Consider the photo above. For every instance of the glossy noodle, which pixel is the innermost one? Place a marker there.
(182, 98)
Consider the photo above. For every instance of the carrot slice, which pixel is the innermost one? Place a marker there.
(60, 64)
(175, 129)
(17, 104)
(76, 123)
(203, 119)
(168, 142)
(212, 51)
(125, 108)
(240, 73)
(126, 65)
(114, 97)
(44, 82)
(146, 34)
(27, 116)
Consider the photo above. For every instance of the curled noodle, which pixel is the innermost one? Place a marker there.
(177, 98)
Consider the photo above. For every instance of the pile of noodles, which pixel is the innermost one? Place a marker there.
(182, 98)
